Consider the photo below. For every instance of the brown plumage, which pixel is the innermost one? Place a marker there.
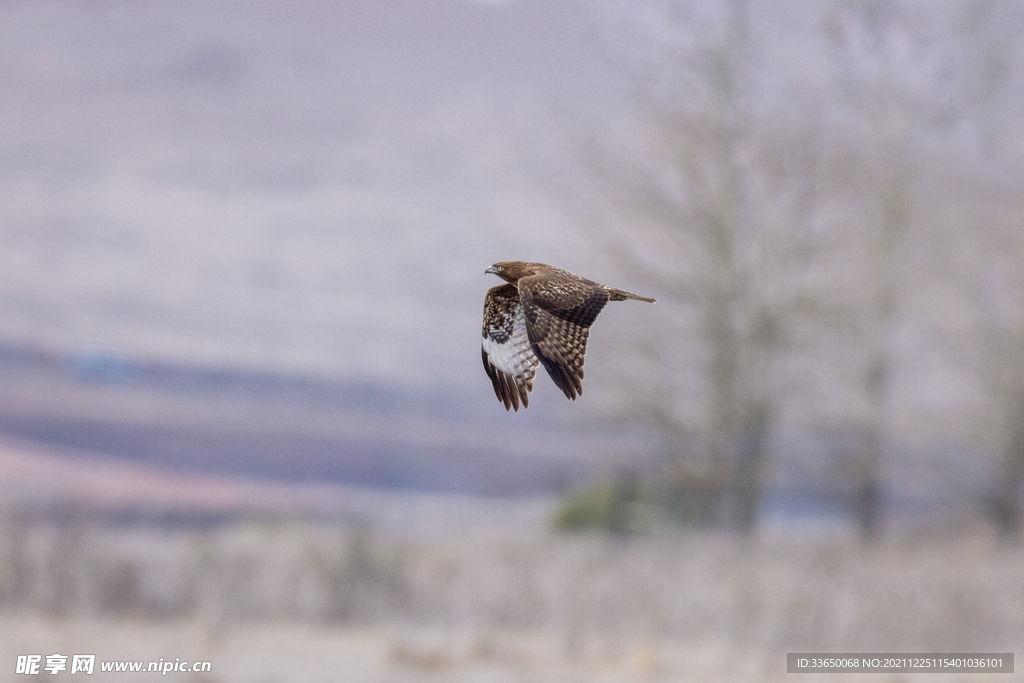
(543, 316)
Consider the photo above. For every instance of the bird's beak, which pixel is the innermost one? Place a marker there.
(492, 269)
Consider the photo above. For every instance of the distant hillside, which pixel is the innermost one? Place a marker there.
(274, 427)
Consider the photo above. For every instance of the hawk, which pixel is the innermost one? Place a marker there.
(542, 316)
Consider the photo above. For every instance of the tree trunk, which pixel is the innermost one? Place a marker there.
(750, 466)
(1006, 505)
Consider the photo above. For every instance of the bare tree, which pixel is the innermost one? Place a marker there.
(908, 76)
(998, 295)
(719, 212)
(867, 44)
(996, 272)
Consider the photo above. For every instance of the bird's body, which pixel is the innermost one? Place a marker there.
(542, 316)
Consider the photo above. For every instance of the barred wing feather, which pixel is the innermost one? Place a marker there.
(507, 353)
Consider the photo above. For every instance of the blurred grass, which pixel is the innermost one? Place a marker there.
(911, 591)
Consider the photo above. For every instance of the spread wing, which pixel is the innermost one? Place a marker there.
(559, 310)
(508, 357)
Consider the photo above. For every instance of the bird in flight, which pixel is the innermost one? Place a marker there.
(542, 316)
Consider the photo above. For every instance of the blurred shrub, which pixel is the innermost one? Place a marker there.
(611, 506)
(692, 498)
(625, 504)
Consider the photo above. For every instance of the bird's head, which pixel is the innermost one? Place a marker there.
(511, 271)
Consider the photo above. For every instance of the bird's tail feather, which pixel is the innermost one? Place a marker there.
(622, 295)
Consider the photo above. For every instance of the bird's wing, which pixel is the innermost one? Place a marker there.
(559, 311)
(508, 357)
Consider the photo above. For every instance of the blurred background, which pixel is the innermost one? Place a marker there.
(242, 412)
